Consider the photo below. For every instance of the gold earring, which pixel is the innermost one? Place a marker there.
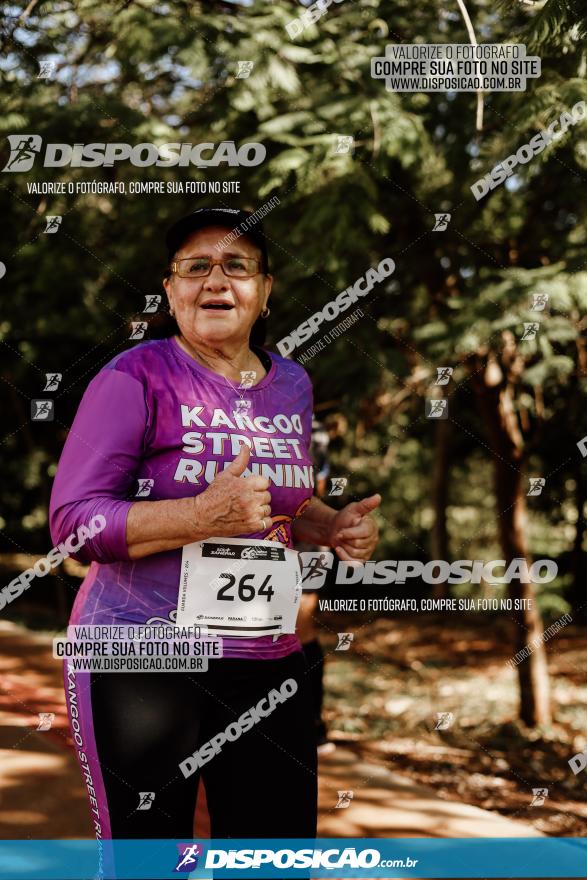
(266, 312)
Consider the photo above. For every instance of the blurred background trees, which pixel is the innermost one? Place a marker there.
(161, 72)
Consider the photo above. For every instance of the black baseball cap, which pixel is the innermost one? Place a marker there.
(238, 221)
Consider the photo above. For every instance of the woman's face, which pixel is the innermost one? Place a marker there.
(197, 302)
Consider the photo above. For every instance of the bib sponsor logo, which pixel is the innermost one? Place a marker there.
(246, 551)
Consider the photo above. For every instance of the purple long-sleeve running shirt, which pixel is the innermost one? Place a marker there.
(155, 421)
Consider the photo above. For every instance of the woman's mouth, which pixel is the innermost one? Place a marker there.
(218, 305)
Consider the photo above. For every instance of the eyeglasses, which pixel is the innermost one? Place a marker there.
(199, 267)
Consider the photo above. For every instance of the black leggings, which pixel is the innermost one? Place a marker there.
(262, 784)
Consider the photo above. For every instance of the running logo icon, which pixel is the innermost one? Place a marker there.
(46, 70)
(443, 375)
(152, 302)
(443, 720)
(247, 378)
(344, 641)
(539, 795)
(337, 485)
(42, 411)
(441, 222)
(53, 222)
(436, 408)
(188, 855)
(530, 331)
(146, 799)
(344, 800)
(145, 486)
(242, 406)
(139, 329)
(314, 569)
(538, 302)
(244, 69)
(46, 719)
(52, 381)
(537, 484)
(23, 151)
(345, 143)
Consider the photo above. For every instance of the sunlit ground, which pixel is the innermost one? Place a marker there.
(384, 694)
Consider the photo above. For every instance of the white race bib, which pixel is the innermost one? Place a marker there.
(239, 587)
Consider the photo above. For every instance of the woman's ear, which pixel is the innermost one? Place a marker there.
(267, 284)
(167, 286)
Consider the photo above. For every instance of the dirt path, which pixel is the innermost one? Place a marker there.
(42, 796)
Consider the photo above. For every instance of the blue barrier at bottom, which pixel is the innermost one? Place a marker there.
(561, 857)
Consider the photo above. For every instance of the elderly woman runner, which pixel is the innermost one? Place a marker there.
(168, 416)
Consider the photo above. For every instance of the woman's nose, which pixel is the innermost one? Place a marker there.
(216, 280)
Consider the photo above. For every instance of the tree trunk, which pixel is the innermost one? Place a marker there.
(577, 589)
(506, 443)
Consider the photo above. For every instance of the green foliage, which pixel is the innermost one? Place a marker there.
(156, 71)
